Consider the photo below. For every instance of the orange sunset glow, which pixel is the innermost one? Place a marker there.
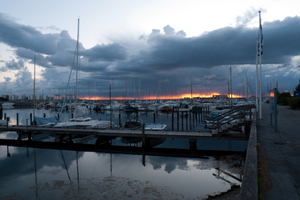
(210, 95)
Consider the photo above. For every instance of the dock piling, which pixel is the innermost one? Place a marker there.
(190, 117)
(17, 119)
(186, 120)
(172, 121)
(182, 120)
(7, 121)
(1, 111)
(143, 136)
(177, 120)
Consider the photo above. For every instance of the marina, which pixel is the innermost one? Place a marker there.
(184, 143)
(159, 115)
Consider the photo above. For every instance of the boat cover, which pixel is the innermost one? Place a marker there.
(45, 120)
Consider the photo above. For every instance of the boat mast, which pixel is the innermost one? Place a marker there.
(34, 87)
(260, 59)
(77, 66)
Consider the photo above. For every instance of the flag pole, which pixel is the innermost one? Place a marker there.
(260, 58)
(256, 97)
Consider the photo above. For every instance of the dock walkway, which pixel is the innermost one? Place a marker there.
(282, 150)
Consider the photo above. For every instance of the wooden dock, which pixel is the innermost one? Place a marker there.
(119, 132)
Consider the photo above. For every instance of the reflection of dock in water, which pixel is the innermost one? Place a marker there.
(133, 150)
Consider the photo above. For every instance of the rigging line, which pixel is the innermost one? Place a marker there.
(62, 155)
(249, 85)
(69, 77)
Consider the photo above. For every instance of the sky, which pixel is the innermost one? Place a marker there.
(147, 48)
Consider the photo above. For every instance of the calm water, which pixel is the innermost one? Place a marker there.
(59, 174)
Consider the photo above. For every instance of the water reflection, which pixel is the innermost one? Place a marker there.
(59, 174)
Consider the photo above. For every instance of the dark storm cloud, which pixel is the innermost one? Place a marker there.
(110, 52)
(25, 53)
(224, 46)
(17, 35)
(167, 58)
(13, 65)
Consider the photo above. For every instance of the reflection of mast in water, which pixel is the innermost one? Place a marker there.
(62, 155)
(110, 164)
(36, 188)
(77, 168)
(221, 171)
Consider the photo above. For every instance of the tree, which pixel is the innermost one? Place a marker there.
(298, 87)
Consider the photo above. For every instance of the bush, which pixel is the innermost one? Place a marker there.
(283, 98)
(294, 103)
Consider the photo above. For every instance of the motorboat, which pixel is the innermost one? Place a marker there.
(8, 105)
(156, 127)
(84, 122)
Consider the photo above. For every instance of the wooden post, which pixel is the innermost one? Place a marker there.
(17, 119)
(8, 154)
(1, 111)
(7, 121)
(177, 120)
(70, 138)
(193, 144)
(137, 114)
(29, 136)
(153, 117)
(190, 117)
(196, 119)
(4, 116)
(218, 126)
(186, 120)
(172, 121)
(44, 115)
(182, 120)
(193, 120)
(30, 118)
(143, 136)
(120, 120)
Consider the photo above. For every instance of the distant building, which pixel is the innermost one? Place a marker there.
(220, 97)
(24, 97)
(49, 98)
(13, 97)
(30, 97)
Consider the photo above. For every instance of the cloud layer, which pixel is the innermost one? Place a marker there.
(164, 62)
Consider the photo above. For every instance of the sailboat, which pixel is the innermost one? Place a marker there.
(78, 121)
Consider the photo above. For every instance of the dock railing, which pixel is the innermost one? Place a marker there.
(249, 188)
